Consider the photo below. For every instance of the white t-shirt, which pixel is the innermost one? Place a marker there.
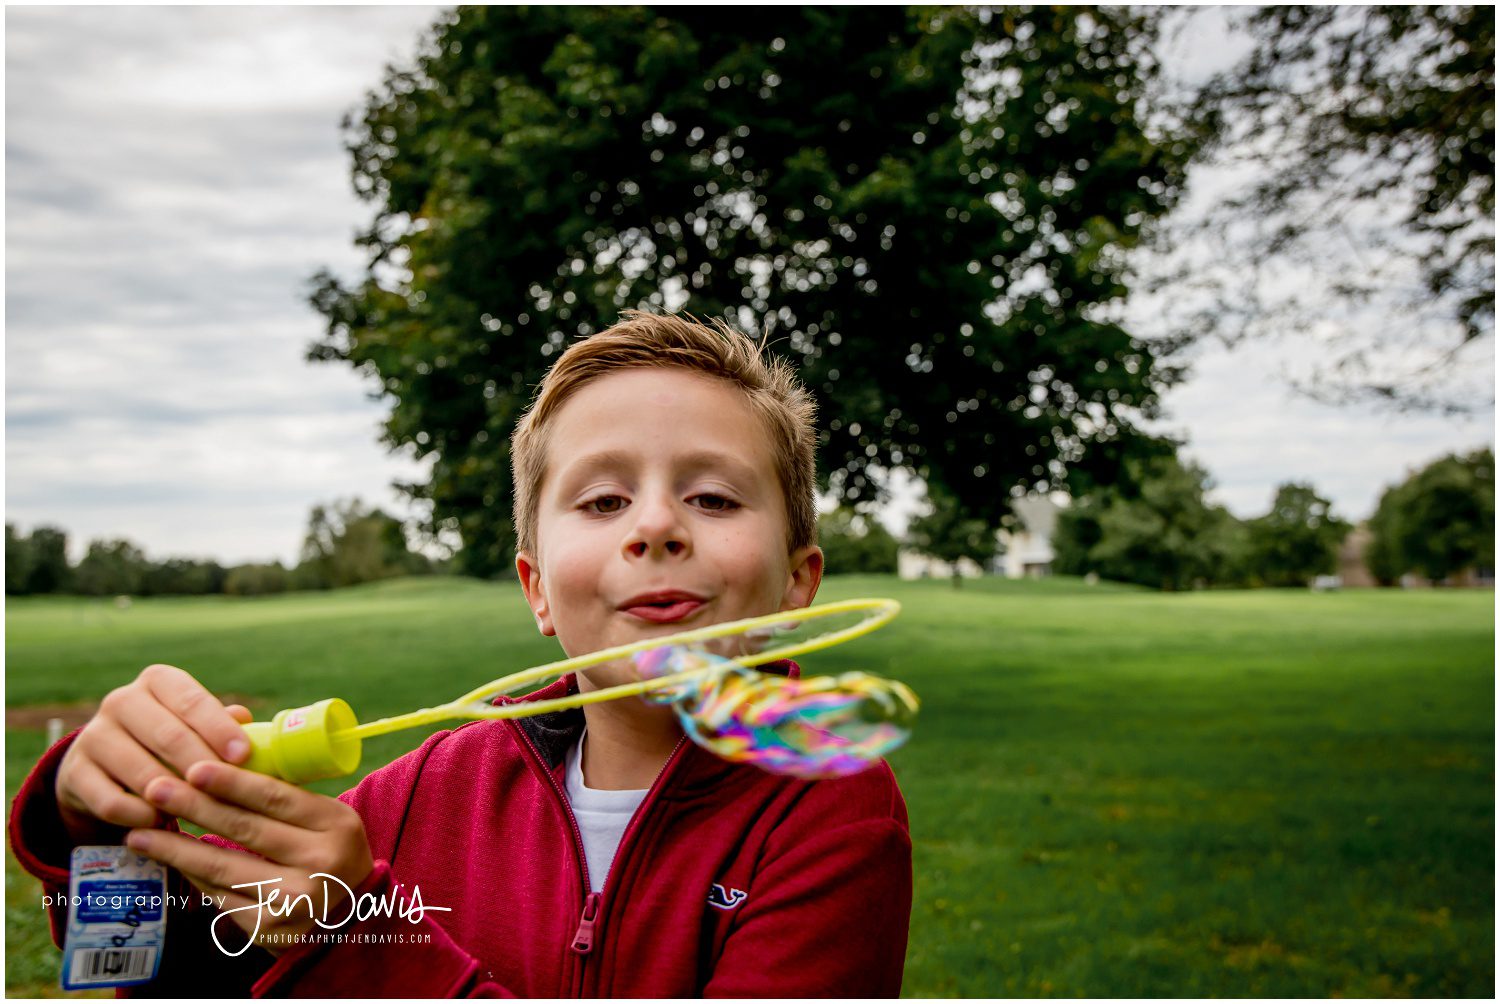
(602, 816)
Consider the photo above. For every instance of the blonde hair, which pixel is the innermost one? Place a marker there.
(770, 385)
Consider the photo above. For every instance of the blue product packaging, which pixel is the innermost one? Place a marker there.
(117, 918)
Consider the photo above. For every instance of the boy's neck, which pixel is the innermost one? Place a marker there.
(628, 744)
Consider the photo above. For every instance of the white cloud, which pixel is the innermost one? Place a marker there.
(1252, 433)
(174, 175)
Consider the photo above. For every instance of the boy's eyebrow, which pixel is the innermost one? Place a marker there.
(695, 461)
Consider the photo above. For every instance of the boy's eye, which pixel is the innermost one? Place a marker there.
(718, 503)
(605, 504)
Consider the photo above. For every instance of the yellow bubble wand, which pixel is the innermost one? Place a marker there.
(781, 724)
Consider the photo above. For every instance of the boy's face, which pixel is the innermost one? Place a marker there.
(659, 480)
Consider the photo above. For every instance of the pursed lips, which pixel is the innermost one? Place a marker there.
(666, 612)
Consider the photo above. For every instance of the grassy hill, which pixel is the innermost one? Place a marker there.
(1113, 792)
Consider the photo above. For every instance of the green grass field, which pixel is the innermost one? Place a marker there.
(1112, 792)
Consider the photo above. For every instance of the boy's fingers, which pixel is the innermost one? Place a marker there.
(240, 713)
(190, 701)
(214, 870)
(121, 757)
(101, 797)
(253, 831)
(261, 793)
(165, 736)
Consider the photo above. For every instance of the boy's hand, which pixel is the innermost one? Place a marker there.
(300, 834)
(157, 726)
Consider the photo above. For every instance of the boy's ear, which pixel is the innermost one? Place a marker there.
(806, 575)
(530, 574)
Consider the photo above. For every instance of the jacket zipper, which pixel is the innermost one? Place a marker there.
(620, 856)
(588, 917)
(583, 939)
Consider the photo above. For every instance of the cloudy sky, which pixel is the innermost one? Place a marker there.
(174, 175)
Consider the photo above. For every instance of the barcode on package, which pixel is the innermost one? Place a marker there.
(117, 918)
(110, 965)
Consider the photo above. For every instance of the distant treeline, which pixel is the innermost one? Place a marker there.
(346, 544)
(1158, 530)
(1155, 528)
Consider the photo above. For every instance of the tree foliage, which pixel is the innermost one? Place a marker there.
(1438, 522)
(257, 580)
(1155, 529)
(183, 577)
(40, 561)
(17, 561)
(855, 544)
(1298, 539)
(1351, 160)
(111, 568)
(1382, 549)
(930, 207)
(948, 533)
(347, 544)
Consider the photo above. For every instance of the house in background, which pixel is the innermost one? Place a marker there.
(1353, 572)
(914, 565)
(1028, 548)
(1025, 552)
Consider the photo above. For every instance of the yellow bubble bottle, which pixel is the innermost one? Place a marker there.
(306, 744)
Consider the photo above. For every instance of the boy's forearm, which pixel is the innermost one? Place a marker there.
(43, 830)
(42, 836)
(42, 839)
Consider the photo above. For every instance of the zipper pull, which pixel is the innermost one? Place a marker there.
(583, 941)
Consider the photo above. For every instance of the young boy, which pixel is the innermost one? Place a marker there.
(664, 480)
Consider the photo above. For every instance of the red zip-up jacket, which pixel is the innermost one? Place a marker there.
(729, 881)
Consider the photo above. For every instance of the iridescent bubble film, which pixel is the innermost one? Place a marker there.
(814, 728)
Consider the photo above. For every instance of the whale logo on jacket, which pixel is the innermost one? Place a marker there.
(725, 899)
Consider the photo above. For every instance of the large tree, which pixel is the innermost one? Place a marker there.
(17, 560)
(1297, 539)
(47, 553)
(1155, 528)
(348, 543)
(856, 545)
(928, 208)
(1438, 522)
(114, 567)
(1348, 202)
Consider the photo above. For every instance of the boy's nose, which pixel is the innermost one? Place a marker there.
(659, 530)
(641, 548)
